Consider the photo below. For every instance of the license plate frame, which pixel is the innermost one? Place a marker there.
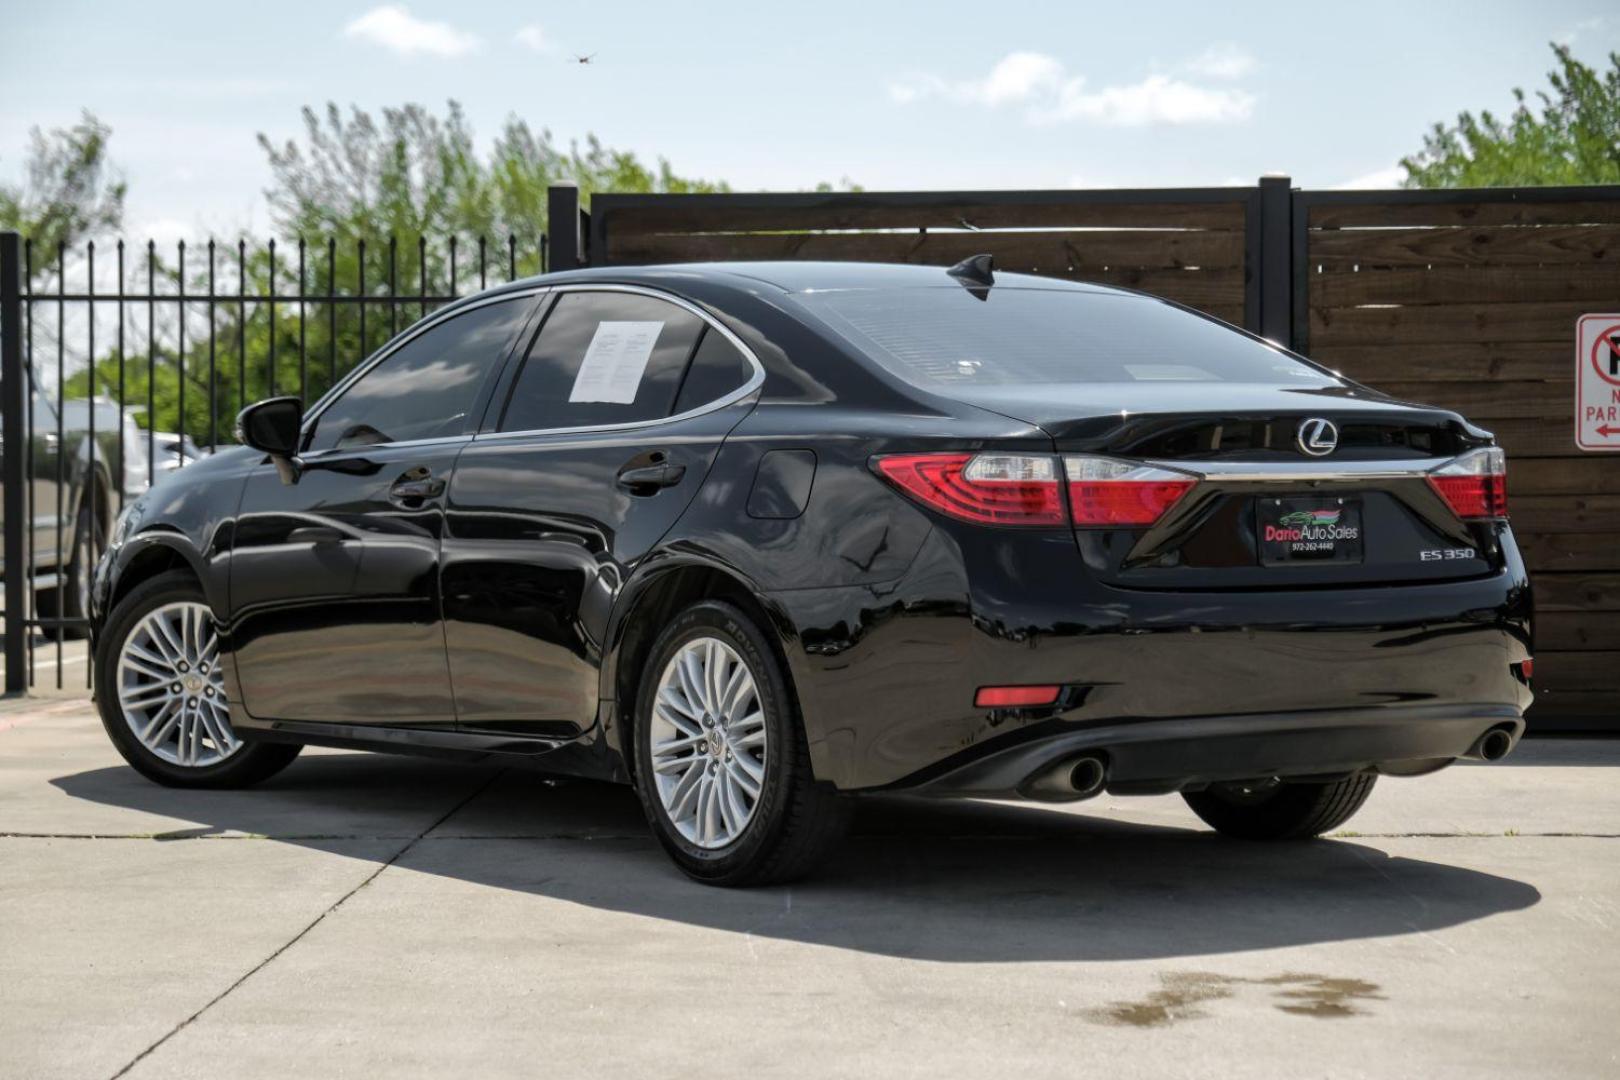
(1310, 530)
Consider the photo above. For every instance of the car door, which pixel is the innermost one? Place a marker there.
(335, 608)
(605, 433)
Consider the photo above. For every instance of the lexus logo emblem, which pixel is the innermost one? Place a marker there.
(1317, 437)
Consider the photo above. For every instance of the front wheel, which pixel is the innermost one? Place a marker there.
(162, 695)
(722, 768)
(1274, 810)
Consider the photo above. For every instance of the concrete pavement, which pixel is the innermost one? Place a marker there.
(365, 915)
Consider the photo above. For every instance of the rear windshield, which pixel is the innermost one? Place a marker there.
(951, 337)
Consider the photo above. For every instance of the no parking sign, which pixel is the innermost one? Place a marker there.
(1597, 382)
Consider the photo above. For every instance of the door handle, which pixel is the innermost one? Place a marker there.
(649, 479)
(315, 534)
(412, 490)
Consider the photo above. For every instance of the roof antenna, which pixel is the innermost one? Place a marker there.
(975, 268)
(975, 274)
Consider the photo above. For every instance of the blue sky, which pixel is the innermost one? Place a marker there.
(779, 96)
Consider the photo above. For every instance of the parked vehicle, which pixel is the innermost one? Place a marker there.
(127, 453)
(71, 502)
(174, 451)
(753, 537)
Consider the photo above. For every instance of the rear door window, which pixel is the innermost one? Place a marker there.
(718, 368)
(603, 358)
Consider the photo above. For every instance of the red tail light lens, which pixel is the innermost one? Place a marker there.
(1474, 485)
(1104, 493)
(990, 489)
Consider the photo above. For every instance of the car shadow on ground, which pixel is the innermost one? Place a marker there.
(953, 882)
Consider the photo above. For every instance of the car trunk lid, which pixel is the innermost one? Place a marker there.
(1355, 507)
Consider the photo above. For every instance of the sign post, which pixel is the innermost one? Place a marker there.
(1597, 382)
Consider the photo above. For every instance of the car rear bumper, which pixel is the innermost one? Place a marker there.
(1159, 756)
(1279, 678)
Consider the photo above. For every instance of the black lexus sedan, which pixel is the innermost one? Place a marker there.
(752, 537)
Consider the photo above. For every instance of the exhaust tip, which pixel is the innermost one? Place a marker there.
(1067, 779)
(1494, 745)
(1087, 777)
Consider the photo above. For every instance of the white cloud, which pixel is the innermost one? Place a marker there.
(1223, 61)
(533, 38)
(165, 232)
(1378, 178)
(1048, 93)
(396, 29)
(1584, 28)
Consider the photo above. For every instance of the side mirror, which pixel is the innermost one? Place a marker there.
(273, 426)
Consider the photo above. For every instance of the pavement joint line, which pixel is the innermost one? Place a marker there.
(296, 938)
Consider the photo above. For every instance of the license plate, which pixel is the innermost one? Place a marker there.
(1308, 531)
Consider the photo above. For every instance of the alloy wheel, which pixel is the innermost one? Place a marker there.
(170, 689)
(708, 742)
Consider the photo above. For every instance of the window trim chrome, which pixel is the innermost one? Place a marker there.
(753, 383)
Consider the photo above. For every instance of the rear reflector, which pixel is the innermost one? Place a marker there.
(1104, 493)
(990, 489)
(1474, 485)
(1013, 697)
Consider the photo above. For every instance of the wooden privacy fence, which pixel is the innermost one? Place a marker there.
(1197, 245)
(1466, 299)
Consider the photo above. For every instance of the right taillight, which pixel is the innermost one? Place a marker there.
(1105, 493)
(1475, 484)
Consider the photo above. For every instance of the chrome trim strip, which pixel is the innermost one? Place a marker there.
(717, 404)
(1249, 471)
(362, 450)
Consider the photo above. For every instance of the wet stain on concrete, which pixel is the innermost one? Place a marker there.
(1322, 997)
(1184, 993)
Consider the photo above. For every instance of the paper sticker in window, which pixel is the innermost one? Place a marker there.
(615, 361)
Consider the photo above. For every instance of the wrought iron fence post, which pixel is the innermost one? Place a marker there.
(562, 212)
(13, 413)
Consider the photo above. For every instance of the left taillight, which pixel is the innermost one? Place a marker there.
(989, 489)
(1475, 484)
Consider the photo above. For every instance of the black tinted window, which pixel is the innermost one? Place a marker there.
(637, 348)
(717, 369)
(949, 336)
(426, 387)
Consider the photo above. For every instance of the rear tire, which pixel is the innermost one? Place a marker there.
(131, 699)
(689, 745)
(1285, 812)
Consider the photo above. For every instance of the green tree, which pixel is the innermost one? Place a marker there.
(69, 191)
(411, 173)
(1571, 137)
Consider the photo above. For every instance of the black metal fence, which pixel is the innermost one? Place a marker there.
(122, 362)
